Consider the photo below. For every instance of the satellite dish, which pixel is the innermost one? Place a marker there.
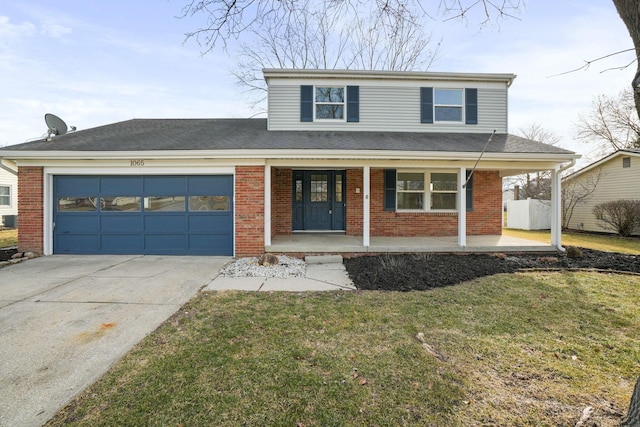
(56, 125)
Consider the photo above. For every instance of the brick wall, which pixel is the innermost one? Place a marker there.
(354, 202)
(281, 203)
(485, 219)
(30, 209)
(249, 211)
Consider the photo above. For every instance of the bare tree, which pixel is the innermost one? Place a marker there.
(318, 39)
(535, 185)
(613, 122)
(227, 20)
(576, 192)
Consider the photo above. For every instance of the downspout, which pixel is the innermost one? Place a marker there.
(558, 212)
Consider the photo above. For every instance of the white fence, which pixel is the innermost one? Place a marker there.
(529, 214)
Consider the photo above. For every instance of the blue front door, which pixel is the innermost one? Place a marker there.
(318, 200)
(164, 215)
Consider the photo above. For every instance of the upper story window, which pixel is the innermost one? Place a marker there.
(448, 105)
(626, 162)
(329, 102)
(338, 103)
(5, 195)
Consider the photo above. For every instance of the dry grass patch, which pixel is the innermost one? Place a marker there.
(518, 350)
(598, 242)
(8, 237)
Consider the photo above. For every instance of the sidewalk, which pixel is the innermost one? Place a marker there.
(323, 273)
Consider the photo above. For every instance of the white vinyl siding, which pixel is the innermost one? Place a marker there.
(615, 183)
(389, 108)
(9, 180)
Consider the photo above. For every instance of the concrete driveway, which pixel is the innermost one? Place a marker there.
(64, 320)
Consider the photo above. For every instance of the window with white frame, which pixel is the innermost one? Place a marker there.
(448, 105)
(5, 195)
(329, 102)
(412, 193)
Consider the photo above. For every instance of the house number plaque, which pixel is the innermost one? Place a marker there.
(137, 162)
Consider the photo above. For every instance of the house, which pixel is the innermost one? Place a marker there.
(361, 155)
(613, 177)
(8, 196)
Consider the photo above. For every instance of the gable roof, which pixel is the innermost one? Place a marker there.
(597, 163)
(191, 135)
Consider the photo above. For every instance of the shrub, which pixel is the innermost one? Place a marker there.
(621, 216)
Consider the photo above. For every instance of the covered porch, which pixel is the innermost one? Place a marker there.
(308, 243)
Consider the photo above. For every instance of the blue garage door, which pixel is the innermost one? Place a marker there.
(161, 215)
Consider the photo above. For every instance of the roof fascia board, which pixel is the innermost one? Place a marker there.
(239, 155)
(602, 161)
(387, 75)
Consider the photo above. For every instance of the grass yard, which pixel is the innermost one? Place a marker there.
(8, 237)
(515, 350)
(600, 242)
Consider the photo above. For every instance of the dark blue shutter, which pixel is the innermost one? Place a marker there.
(469, 191)
(471, 106)
(306, 103)
(353, 103)
(426, 105)
(389, 189)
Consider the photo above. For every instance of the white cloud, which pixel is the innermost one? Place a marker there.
(55, 30)
(15, 31)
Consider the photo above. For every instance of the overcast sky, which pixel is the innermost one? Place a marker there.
(94, 63)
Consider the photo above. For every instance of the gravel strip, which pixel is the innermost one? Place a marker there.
(249, 267)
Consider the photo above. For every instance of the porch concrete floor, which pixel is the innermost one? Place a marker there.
(340, 243)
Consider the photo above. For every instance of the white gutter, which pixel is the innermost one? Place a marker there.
(298, 154)
(7, 168)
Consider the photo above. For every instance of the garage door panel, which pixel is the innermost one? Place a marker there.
(121, 185)
(165, 223)
(165, 185)
(210, 223)
(121, 223)
(78, 223)
(77, 186)
(77, 243)
(121, 243)
(204, 186)
(170, 243)
(144, 215)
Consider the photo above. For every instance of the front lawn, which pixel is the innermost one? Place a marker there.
(8, 237)
(599, 242)
(508, 350)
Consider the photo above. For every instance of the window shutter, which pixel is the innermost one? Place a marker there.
(471, 106)
(389, 189)
(306, 103)
(426, 105)
(353, 103)
(469, 192)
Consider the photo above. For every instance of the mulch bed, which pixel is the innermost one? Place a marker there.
(6, 254)
(407, 272)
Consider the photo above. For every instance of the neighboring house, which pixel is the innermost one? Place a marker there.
(619, 178)
(355, 153)
(8, 196)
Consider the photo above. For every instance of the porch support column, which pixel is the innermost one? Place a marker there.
(267, 205)
(556, 209)
(462, 207)
(366, 207)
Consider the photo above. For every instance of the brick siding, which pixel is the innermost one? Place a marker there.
(30, 209)
(249, 211)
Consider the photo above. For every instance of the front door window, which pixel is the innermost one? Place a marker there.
(319, 188)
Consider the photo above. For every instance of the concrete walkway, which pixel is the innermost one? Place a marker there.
(323, 273)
